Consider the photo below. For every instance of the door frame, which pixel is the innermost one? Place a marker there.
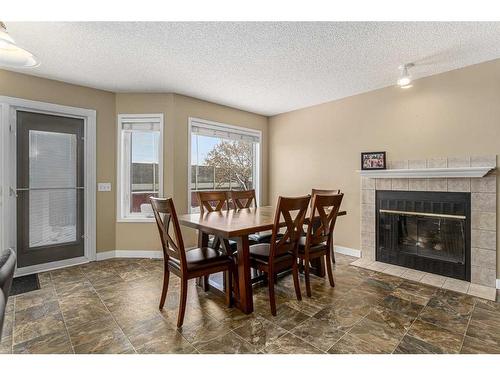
(8, 108)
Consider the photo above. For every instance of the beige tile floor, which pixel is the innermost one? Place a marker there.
(112, 307)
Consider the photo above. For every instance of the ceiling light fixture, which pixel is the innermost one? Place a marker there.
(405, 79)
(11, 55)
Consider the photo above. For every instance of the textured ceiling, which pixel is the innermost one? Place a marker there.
(267, 68)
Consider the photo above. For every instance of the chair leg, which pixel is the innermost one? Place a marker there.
(206, 286)
(308, 278)
(328, 266)
(295, 271)
(182, 305)
(166, 277)
(229, 287)
(272, 297)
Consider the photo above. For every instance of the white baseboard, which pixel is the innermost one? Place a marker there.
(38, 268)
(151, 254)
(347, 251)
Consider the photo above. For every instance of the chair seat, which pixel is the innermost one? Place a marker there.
(264, 237)
(260, 253)
(313, 249)
(203, 257)
(232, 244)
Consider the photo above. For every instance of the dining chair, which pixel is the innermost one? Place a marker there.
(323, 192)
(318, 240)
(281, 253)
(186, 265)
(211, 201)
(214, 201)
(242, 199)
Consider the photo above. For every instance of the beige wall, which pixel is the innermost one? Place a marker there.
(112, 235)
(454, 113)
(45, 90)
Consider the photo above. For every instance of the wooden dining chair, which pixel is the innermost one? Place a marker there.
(211, 201)
(322, 192)
(318, 240)
(243, 199)
(214, 201)
(186, 264)
(281, 253)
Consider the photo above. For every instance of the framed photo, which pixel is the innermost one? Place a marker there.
(373, 160)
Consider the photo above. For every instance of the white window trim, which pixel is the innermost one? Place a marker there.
(119, 190)
(9, 106)
(215, 125)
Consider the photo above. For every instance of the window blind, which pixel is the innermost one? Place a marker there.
(141, 126)
(225, 133)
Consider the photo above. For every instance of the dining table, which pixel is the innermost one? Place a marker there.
(237, 225)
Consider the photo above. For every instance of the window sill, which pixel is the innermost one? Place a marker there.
(136, 220)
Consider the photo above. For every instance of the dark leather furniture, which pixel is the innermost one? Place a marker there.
(7, 267)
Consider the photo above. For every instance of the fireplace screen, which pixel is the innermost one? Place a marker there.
(435, 239)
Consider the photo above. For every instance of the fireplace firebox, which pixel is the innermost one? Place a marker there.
(426, 231)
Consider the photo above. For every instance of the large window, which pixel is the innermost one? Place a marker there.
(140, 172)
(223, 157)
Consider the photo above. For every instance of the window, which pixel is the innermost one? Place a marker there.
(222, 157)
(140, 172)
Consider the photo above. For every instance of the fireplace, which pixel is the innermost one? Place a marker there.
(426, 231)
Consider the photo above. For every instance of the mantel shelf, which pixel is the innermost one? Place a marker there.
(468, 172)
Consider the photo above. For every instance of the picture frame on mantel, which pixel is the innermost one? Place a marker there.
(374, 160)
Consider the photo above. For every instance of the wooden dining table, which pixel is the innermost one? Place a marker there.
(237, 225)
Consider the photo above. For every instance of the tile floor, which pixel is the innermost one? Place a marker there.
(111, 307)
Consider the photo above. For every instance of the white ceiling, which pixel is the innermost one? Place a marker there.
(266, 68)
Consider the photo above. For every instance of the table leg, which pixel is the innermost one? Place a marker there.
(318, 265)
(244, 278)
(202, 282)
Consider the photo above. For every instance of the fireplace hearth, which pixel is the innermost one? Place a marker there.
(426, 231)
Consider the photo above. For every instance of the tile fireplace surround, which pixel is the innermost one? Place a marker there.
(483, 220)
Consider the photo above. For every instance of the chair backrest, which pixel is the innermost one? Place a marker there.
(243, 199)
(323, 216)
(323, 192)
(7, 267)
(211, 201)
(293, 211)
(164, 211)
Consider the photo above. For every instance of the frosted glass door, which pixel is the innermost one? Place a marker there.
(52, 212)
(50, 188)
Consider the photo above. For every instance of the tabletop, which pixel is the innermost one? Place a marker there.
(234, 223)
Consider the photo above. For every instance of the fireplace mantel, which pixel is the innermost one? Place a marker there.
(467, 172)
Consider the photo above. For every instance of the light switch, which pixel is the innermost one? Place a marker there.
(104, 186)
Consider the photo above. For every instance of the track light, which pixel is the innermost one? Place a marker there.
(405, 79)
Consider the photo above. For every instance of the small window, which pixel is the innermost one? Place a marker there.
(222, 157)
(140, 165)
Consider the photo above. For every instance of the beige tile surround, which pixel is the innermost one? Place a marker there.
(483, 220)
